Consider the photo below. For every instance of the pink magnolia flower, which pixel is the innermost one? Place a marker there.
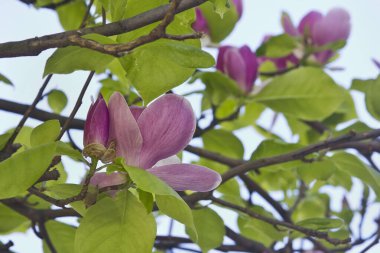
(96, 130)
(145, 136)
(320, 30)
(240, 64)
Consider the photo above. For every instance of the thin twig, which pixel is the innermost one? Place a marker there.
(77, 105)
(274, 222)
(11, 139)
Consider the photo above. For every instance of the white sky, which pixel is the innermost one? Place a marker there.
(17, 22)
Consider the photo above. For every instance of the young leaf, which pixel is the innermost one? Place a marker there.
(223, 142)
(69, 59)
(22, 170)
(57, 101)
(278, 46)
(45, 133)
(116, 225)
(61, 235)
(306, 93)
(71, 14)
(160, 66)
(210, 229)
(168, 201)
(11, 221)
(350, 164)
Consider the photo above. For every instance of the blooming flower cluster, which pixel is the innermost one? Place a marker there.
(314, 30)
(146, 138)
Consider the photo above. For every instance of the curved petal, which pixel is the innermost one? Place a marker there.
(167, 126)
(307, 23)
(167, 161)
(103, 179)
(200, 24)
(188, 177)
(333, 27)
(239, 7)
(235, 67)
(288, 25)
(251, 66)
(220, 59)
(124, 130)
(96, 129)
(136, 111)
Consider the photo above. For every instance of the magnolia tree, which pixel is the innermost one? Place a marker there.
(137, 130)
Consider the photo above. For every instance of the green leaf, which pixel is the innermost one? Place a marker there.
(372, 100)
(221, 6)
(352, 165)
(210, 228)
(5, 80)
(45, 133)
(11, 221)
(116, 225)
(61, 235)
(248, 117)
(321, 170)
(321, 223)
(219, 27)
(69, 59)
(71, 14)
(160, 66)
(3, 139)
(223, 142)
(57, 100)
(62, 191)
(146, 198)
(312, 206)
(22, 170)
(168, 201)
(66, 149)
(306, 93)
(219, 86)
(278, 46)
(259, 230)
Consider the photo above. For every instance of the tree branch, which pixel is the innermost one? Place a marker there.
(35, 46)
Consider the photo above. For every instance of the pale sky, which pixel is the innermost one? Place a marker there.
(18, 21)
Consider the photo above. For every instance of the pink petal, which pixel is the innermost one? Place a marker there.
(103, 179)
(136, 111)
(188, 177)
(167, 161)
(252, 67)
(167, 126)
(288, 25)
(239, 7)
(200, 24)
(235, 67)
(335, 26)
(307, 23)
(220, 60)
(124, 130)
(96, 129)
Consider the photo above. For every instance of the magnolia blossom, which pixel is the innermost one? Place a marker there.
(96, 130)
(240, 64)
(319, 30)
(200, 24)
(145, 136)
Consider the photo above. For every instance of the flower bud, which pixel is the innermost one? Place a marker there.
(240, 64)
(96, 130)
(200, 24)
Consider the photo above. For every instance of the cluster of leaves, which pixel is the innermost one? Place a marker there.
(290, 177)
